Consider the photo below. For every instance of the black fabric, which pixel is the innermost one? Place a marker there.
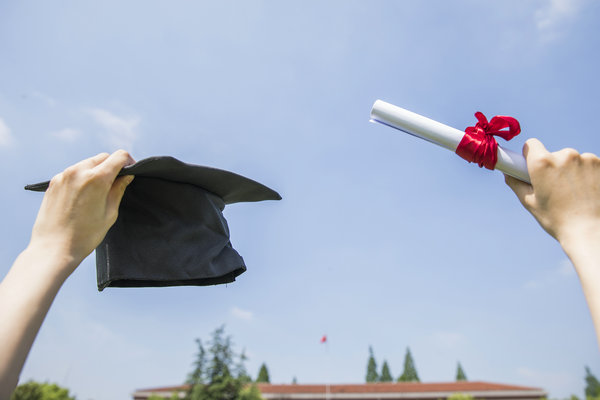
(171, 230)
(232, 188)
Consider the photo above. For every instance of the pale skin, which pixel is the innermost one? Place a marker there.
(78, 208)
(564, 197)
(82, 204)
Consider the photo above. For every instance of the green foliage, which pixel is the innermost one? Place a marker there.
(592, 385)
(410, 371)
(174, 396)
(372, 375)
(386, 376)
(263, 374)
(217, 375)
(460, 373)
(241, 369)
(250, 392)
(460, 396)
(40, 391)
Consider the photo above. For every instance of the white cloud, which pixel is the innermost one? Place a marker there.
(553, 15)
(5, 135)
(67, 134)
(241, 314)
(121, 132)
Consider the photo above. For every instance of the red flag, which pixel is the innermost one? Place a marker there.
(324, 339)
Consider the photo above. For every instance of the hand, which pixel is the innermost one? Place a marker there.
(564, 195)
(79, 207)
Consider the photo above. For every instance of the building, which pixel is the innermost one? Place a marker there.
(378, 391)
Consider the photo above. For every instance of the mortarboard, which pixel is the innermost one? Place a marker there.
(171, 230)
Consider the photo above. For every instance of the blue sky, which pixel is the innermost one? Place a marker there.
(372, 243)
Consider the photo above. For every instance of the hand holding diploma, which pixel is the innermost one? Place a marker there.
(509, 162)
(561, 190)
(564, 197)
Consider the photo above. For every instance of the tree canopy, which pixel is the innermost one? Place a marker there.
(263, 374)
(32, 390)
(460, 373)
(386, 375)
(217, 375)
(410, 371)
(592, 385)
(372, 375)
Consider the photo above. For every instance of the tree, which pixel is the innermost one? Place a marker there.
(216, 375)
(263, 374)
(250, 392)
(461, 396)
(372, 375)
(386, 376)
(40, 391)
(241, 369)
(174, 396)
(410, 371)
(460, 374)
(592, 387)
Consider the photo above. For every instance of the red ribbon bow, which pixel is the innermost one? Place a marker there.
(479, 145)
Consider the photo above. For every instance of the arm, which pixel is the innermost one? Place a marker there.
(564, 197)
(79, 207)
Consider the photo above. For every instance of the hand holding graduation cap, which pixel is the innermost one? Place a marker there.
(170, 231)
(80, 205)
(77, 211)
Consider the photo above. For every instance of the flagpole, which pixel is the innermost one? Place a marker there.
(328, 367)
(325, 340)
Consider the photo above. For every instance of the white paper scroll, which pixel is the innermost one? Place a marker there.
(509, 162)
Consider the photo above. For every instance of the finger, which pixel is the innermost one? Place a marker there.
(114, 163)
(533, 148)
(115, 195)
(520, 188)
(93, 161)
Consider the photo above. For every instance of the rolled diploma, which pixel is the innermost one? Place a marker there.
(509, 162)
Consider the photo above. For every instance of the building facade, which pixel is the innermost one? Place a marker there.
(377, 391)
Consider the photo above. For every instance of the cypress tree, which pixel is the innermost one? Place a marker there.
(263, 374)
(216, 375)
(410, 371)
(386, 376)
(196, 377)
(372, 375)
(460, 374)
(592, 387)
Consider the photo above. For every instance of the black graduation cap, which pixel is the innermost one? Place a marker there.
(171, 230)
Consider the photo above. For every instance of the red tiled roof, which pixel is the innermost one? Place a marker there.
(396, 387)
(379, 387)
(165, 389)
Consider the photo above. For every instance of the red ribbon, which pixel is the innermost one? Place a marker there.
(479, 145)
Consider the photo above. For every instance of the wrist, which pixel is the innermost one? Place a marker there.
(50, 260)
(581, 242)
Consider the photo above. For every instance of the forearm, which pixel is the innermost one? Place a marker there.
(26, 294)
(583, 248)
